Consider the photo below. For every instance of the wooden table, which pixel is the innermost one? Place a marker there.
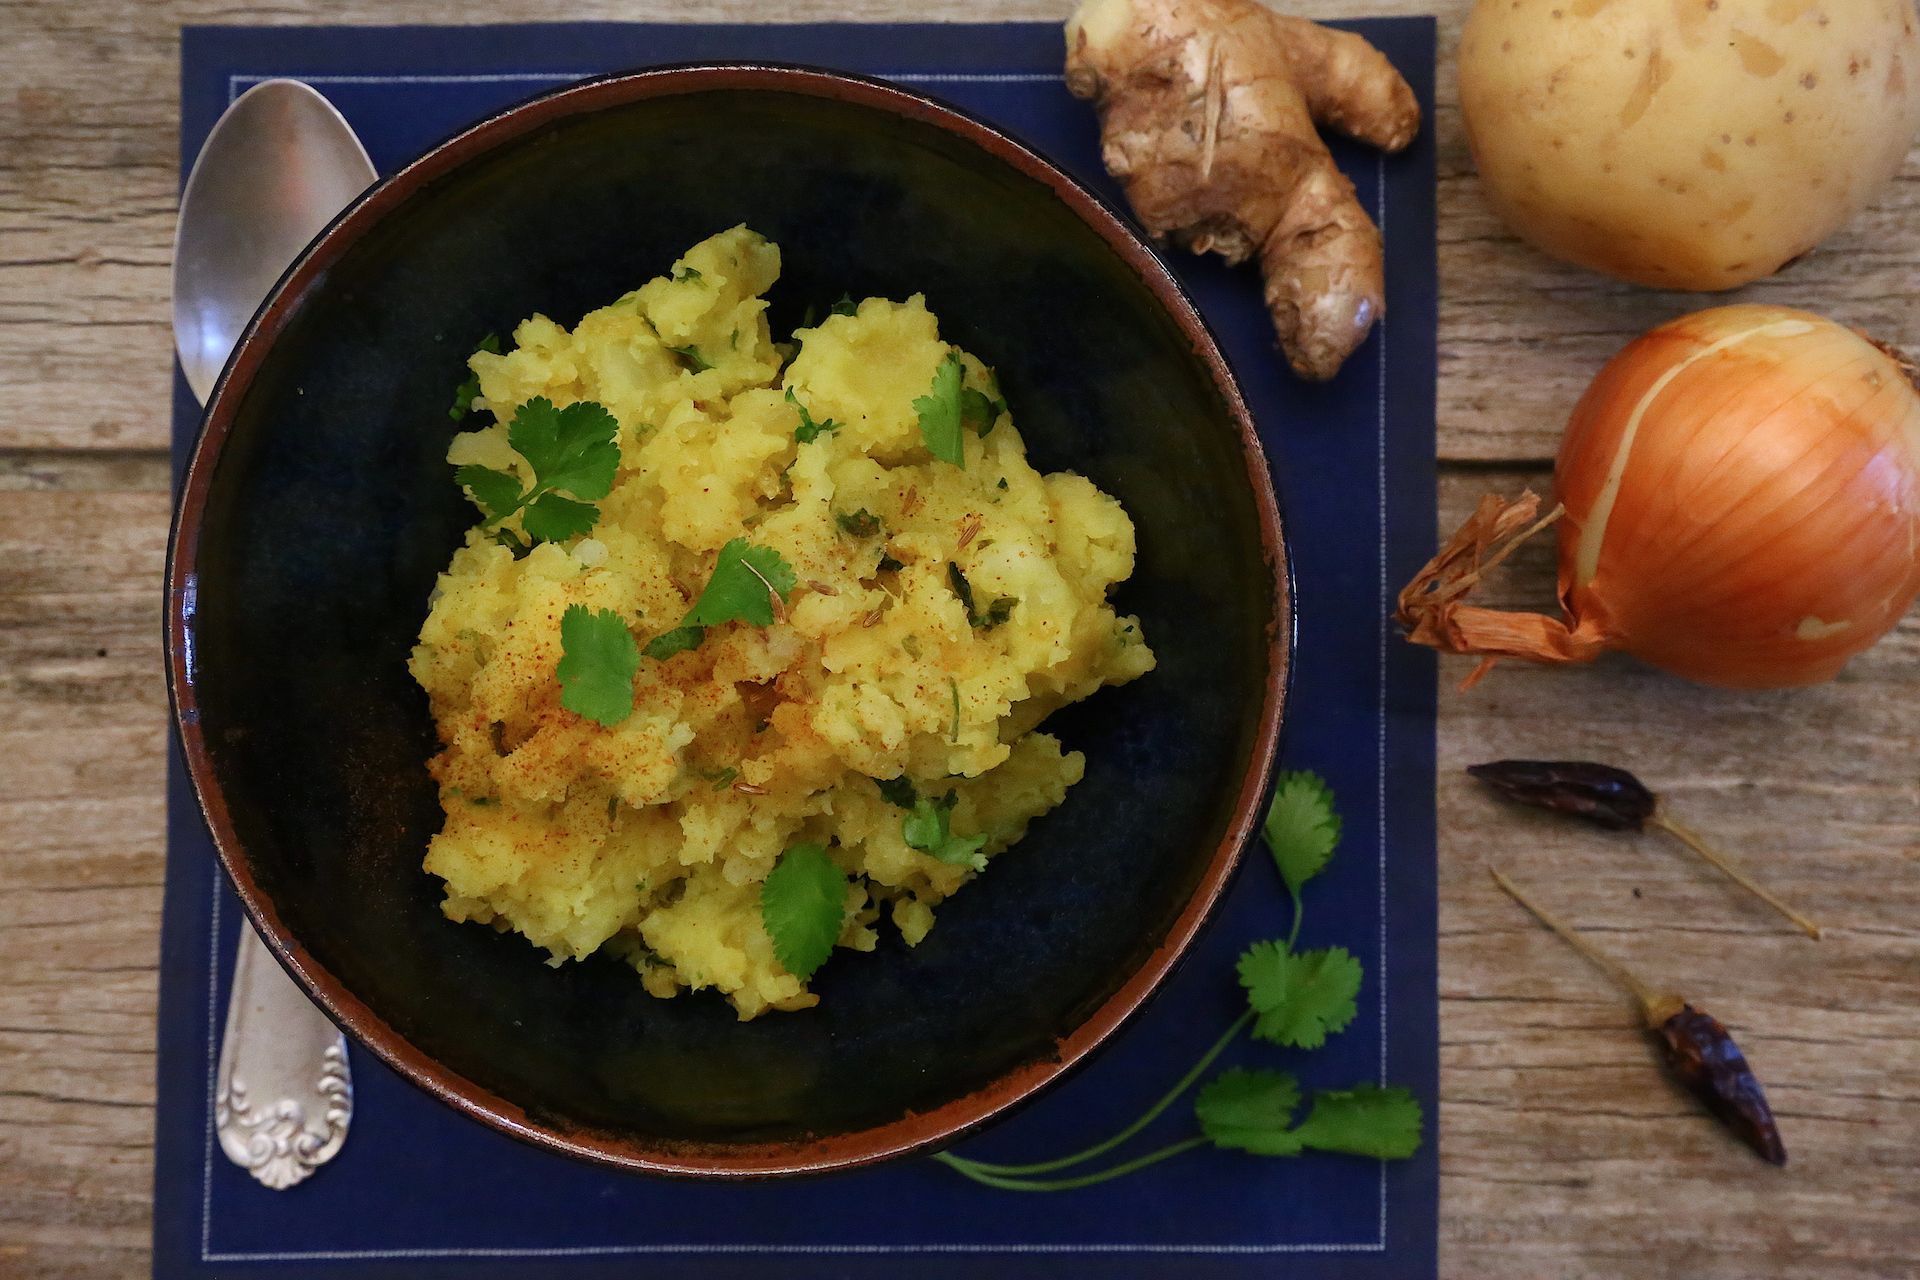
(1563, 1152)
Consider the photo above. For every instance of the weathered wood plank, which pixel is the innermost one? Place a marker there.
(1564, 1152)
(82, 725)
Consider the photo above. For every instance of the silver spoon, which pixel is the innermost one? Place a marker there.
(279, 164)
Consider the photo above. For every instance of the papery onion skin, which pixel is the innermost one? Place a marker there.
(1766, 523)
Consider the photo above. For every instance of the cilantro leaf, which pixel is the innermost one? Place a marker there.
(742, 587)
(808, 431)
(570, 448)
(939, 412)
(1250, 1111)
(686, 273)
(1294, 999)
(980, 411)
(465, 394)
(927, 829)
(1366, 1120)
(553, 518)
(1253, 1111)
(962, 588)
(1302, 828)
(861, 524)
(597, 663)
(695, 361)
(802, 904)
(898, 792)
(1301, 999)
(986, 619)
(678, 640)
(497, 492)
(463, 397)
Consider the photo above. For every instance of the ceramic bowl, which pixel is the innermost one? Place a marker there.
(318, 508)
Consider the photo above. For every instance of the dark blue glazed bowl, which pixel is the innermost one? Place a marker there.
(318, 508)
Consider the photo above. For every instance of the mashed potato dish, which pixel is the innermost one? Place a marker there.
(751, 642)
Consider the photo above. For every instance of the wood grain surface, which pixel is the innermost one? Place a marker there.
(1563, 1152)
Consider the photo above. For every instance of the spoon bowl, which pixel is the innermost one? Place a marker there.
(277, 167)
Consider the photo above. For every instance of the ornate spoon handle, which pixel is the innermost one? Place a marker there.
(284, 1094)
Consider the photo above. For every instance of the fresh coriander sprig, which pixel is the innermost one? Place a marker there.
(949, 407)
(1302, 830)
(998, 610)
(598, 656)
(467, 392)
(808, 431)
(597, 663)
(696, 362)
(570, 450)
(1293, 998)
(1299, 999)
(928, 825)
(859, 524)
(1253, 1111)
(940, 413)
(802, 905)
(898, 792)
(980, 411)
(928, 828)
(748, 584)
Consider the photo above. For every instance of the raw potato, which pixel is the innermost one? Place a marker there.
(1691, 144)
(1207, 115)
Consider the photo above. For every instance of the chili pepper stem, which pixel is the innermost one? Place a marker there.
(1655, 1006)
(1727, 867)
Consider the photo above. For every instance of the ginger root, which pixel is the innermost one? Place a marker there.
(1207, 112)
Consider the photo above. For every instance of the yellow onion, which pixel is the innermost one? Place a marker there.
(1741, 494)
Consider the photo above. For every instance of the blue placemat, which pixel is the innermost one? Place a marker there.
(422, 1192)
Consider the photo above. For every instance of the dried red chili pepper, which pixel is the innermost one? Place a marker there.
(1698, 1050)
(1601, 794)
(1701, 1053)
(1613, 798)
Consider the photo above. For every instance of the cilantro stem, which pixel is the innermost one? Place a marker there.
(1293, 934)
(968, 1169)
(526, 500)
(1101, 1148)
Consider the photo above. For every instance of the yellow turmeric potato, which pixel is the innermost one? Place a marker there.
(1690, 144)
(652, 837)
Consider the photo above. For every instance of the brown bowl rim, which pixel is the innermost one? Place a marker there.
(914, 1131)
